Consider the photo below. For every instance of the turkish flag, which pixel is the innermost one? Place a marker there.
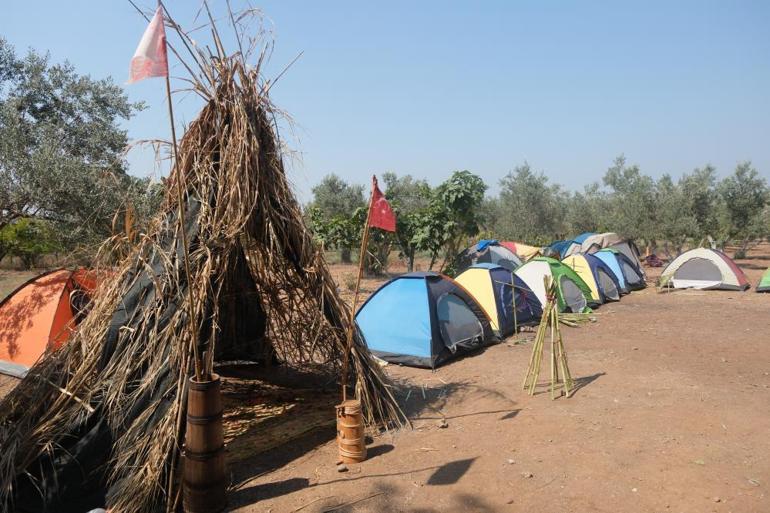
(380, 213)
(151, 57)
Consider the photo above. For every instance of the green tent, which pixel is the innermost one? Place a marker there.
(764, 282)
(573, 294)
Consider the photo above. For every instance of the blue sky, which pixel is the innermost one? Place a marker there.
(429, 87)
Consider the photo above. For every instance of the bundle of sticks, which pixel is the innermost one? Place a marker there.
(549, 325)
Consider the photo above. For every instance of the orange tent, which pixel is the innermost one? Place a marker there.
(40, 315)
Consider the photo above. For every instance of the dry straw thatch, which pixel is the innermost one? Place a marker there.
(100, 420)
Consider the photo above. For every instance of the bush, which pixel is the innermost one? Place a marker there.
(27, 239)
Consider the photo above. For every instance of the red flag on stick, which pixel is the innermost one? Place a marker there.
(150, 58)
(380, 213)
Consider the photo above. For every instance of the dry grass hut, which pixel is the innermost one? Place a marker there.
(100, 421)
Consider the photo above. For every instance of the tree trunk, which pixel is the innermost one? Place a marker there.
(410, 262)
(433, 257)
(345, 255)
(741, 252)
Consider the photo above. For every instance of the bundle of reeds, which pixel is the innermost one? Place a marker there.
(103, 416)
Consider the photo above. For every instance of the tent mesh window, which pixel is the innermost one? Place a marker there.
(631, 274)
(572, 295)
(502, 257)
(607, 285)
(698, 269)
(458, 324)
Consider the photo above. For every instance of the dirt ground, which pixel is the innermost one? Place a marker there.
(672, 413)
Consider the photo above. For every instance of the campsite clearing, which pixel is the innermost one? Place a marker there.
(671, 415)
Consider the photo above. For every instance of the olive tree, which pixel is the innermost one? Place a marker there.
(745, 196)
(61, 149)
(333, 204)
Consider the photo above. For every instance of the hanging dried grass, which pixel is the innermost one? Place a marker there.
(118, 386)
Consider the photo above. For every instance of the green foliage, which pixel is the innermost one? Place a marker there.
(529, 208)
(745, 197)
(334, 200)
(676, 222)
(632, 201)
(412, 202)
(457, 208)
(702, 199)
(334, 197)
(61, 149)
(442, 220)
(685, 212)
(434, 220)
(587, 211)
(28, 239)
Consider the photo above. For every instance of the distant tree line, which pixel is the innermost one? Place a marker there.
(434, 220)
(663, 215)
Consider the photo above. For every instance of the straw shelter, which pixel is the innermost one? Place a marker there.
(100, 422)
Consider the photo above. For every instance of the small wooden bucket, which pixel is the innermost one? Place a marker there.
(350, 432)
(204, 458)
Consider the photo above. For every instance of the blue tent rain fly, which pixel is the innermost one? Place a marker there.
(423, 319)
(487, 251)
(609, 258)
(582, 237)
(633, 276)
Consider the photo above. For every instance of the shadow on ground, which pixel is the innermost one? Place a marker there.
(381, 497)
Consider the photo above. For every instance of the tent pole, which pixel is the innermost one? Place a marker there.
(513, 294)
(352, 321)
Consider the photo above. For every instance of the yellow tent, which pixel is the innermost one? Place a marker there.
(599, 278)
(477, 281)
(523, 251)
(579, 264)
(506, 300)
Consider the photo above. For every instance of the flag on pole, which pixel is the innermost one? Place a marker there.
(380, 213)
(150, 58)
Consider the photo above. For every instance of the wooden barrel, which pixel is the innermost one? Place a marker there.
(350, 432)
(204, 458)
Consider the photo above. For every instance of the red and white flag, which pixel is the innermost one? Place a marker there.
(151, 57)
(380, 213)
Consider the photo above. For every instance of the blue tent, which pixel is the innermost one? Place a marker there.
(609, 258)
(560, 248)
(582, 237)
(632, 274)
(488, 251)
(597, 275)
(423, 319)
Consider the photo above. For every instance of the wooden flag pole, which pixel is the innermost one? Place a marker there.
(180, 188)
(351, 442)
(352, 322)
